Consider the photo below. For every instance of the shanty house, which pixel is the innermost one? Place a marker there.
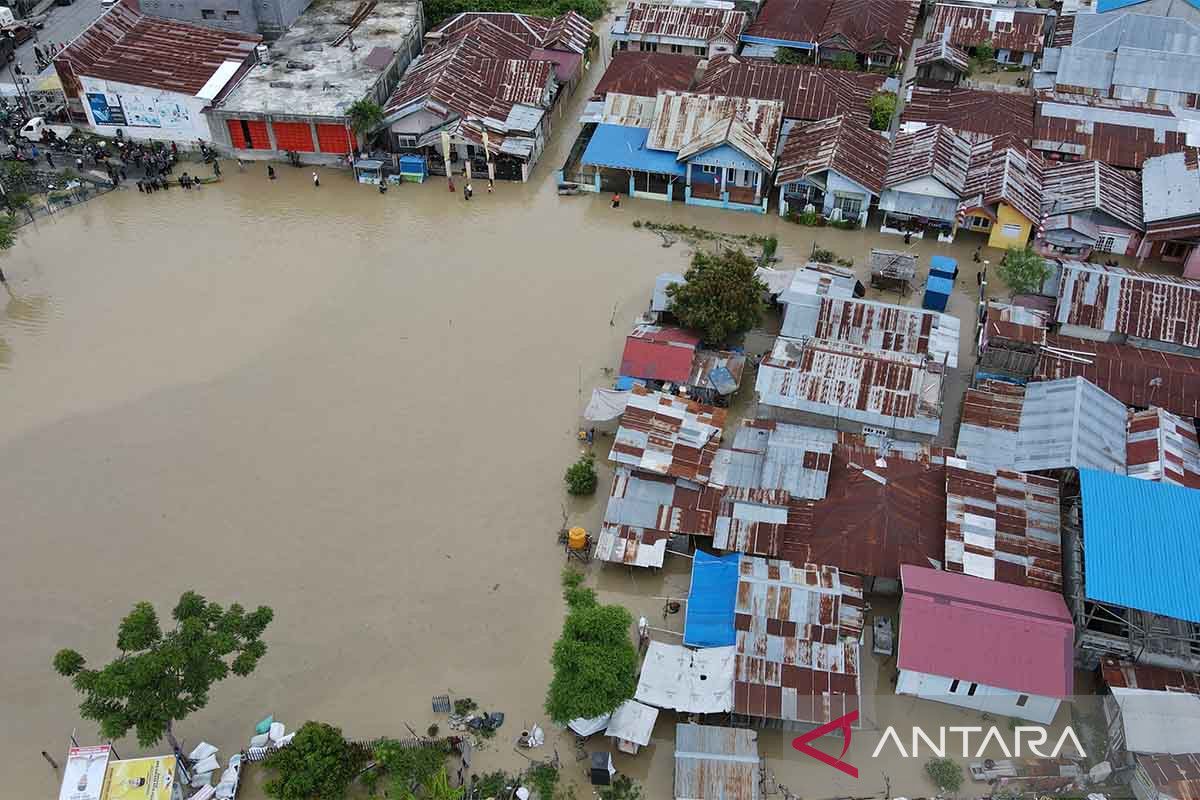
(924, 182)
(714, 763)
(150, 78)
(1171, 209)
(940, 63)
(836, 166)
(1130, 560)
(1003, 192)
(659, 354)
(984, 645)
(1088, 207)
(1017, 36)
(700, 30)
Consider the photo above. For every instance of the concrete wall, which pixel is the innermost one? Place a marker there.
(991, 699)
(144, 113)
(271, 18)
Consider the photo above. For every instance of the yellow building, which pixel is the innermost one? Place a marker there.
(1003, 192)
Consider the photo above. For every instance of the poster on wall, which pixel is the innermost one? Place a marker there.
(141, 111)
(106, 108)
(83, 774)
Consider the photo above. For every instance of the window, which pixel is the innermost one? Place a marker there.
(406, 141)
(676, 48)
(1176, 250)
(709, 168)
(954, 686)
(979, 222)
(208, 13)
(622, 45)
(1022, 699)
(1012, 231)
(971, 691)
(649, 47)
(1112, 243)
(851, 206)
(700, 51)
(233, 15)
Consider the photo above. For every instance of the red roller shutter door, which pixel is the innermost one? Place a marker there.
(333, 138)
(293, 136)
(235, 133)
(248, 134)
(259, 138)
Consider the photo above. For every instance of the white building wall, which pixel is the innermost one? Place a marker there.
(1002, 702)
(144, 113)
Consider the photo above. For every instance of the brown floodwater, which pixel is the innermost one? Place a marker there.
(354, 408)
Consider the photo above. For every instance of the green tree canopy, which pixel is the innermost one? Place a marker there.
(365, 116)
(595, 662)
(946, 774)
(8, 231)
(1023, 270)
(789, 55)
(162, 676)
(721, 296)
(883, 108)
(581, 476)
(845, 61)
(985, 51)
(319, 763)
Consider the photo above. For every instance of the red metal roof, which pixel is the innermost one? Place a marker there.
(972, 25)
(807, 93)
(127, 46)
(978, 113)
(683, 21)
(646, 74)
(790, 20)
(997, 634)
(1133, 375)
(1145, 305)
(1122, 674)
(659, 354)
(1162, 447)
(839, 144)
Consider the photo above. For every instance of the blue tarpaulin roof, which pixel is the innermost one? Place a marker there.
(621, 147)
(625, 383)
(1139, 544)
(711, 600)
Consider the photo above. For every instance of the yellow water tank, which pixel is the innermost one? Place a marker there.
(577, 538)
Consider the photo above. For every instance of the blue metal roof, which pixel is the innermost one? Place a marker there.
(939, 285)
(1114, 5)
(1140, 544)
(621, 147)
(943, 264)
(711, 600)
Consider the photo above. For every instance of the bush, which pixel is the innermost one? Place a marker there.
(789, 55)
(883, 108)
(845, 61)
(809, 218)
(581, 476)
(543, 778)
(769, 246)
(985, 52)
(318, 763)
(946, 774)
(409, 767)
(824, 256)
(622, 788)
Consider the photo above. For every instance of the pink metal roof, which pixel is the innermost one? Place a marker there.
(684, 22)
(127, 46)
(659, 354)
(840, 144)
(997, 634)
(973, 25)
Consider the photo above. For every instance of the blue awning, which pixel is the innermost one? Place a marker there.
(621, 147)
(711, 600)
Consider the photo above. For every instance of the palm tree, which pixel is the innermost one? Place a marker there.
(365, 116)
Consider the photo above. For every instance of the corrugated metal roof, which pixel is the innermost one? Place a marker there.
(893, 264)
(1005, 170)
(1145, 676)
(1149, 31)
(840, 144)
(1119, 133)
(1003, 525)
(813, 281)
(940, 50)
(1014, 325)
(719, 370)
(1170, 193)
(977, 113)
(962, 627)
(668, 435)
(935, 151)
(991, 417)
(1070, 423)
(1166, 723)
(570, 31)
(645, 510)
(1174, 776)
(1134, 375)
(659, 353)
(1019, 30)
(798, 633)
(796, 21)
(1092, 185)
(1162, 447)
(679, 21)
(1146, 305)
(883, 327)
(807, 93)
(770, 464)
(870, 27)
(632, 722)
(689, 124)
(127, 46)
(694, 681)
(714, 763)
(835, 379)
(646, 74)
(1139, 544)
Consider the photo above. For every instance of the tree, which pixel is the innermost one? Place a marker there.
(845, 61)
(622, 788)
(8, 231)
(409, 767)
(946, 774)
(581, 476)
(1023, 270)
(789, 55)
(721, 297)
(161, 677)
(883, 108)
(595, 662)
(319, 763)
(365, 116)
(985, 52)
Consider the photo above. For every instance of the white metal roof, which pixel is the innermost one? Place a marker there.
(632, 722)
(692, 681)
(1159, 722)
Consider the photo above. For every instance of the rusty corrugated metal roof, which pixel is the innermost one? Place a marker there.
(940, 49)
(936, 151)
(991, 417)
(1092, 185)
(1146, 305)
(798, 630)
(1005, 170)
(807, 93)
(644, 510)
(1014, 325)
(1176, 777)
(796, 21)
(1117, 132)
(1005, 28)
(632, 72)
(688, 123)
(870, 27)
(130, 47)
(976, 113)
(701, 23)
(1123, 674)
(1162, 447)
(570, 32)
(668, 435)
(1003, 525)
(840, 144)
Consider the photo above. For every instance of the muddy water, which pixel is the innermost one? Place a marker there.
(354, 408)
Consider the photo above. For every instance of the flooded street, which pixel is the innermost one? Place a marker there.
(354, 408)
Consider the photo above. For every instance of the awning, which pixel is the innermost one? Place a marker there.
(606, 405)
(632, 722)
(621, 147)
(586, 727)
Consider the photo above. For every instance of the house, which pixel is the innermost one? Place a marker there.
(1016, 35)
(150, 78)
(991, 420)
(976, 114)
(1129, 547)
(835, 165)
(663, 434)
(659, 354)
(704, 30)
(645, 74)
(984, 645)
(1113, 304)
(1070, 424)
(808, 93)
(1002, 195)
(772, 459)
(1011, 338)
(924, 183)
(483, 91)
(1153, 714)
(716, 376)
(1171, 209)
(269, 18)
(1003, 525)
(1162, 447)
(819, 382)
(298, 99)
(646, 511)
(714, 763)
(875, 33)
(941, 64)
(1121, 133)
(1089, 207)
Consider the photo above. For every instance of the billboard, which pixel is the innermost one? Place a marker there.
(106, 108)
(83, 774)
(142, 779)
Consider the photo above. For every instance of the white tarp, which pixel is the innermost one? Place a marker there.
(1159, 722)
(606, 405)
(586, 727)
(83, 774)
(632, 722)
(692, 681)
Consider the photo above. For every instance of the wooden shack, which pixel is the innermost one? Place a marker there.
(893, 270)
